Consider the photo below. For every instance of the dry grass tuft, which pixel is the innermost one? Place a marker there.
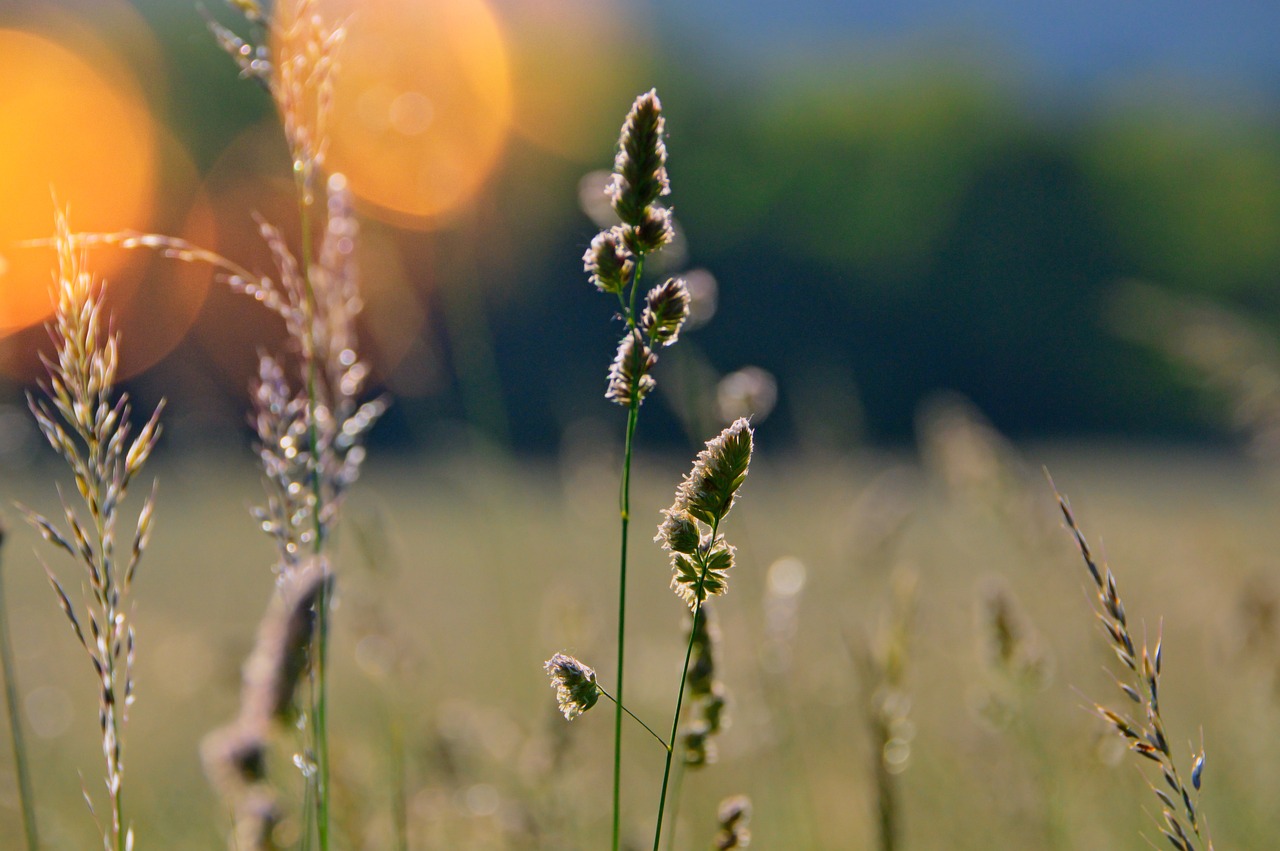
(85, 422)
(1144, 732)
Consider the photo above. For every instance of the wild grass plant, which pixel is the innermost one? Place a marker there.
(1142, 725)
(88, 424)
(308, 416)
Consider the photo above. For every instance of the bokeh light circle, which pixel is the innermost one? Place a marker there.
(68, 127)
(421, 104)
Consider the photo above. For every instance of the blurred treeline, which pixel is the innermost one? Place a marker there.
(880, 231)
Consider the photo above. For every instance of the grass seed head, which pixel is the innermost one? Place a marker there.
(711, 488)
(608, 262)
(666, 308)
(733, 816)
(575, 684)
(629, 373)
(678, 532)
(640, 167)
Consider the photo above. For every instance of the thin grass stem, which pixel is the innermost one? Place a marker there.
(634, 717)
(319, 695)
(25, 793)
(684, 678)
(676, 788)
(633, 415)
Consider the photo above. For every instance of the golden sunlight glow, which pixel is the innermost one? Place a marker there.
(70, 127)
(574, 63)
(421, 104)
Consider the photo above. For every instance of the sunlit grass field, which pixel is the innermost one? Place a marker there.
(460, 574)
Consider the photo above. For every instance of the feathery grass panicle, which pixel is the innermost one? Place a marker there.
(575, 685)
(882, 657)
(1183, 824)
(85, 422)
(235, 755)
(705, 496)
(733, 815)
(299, 74)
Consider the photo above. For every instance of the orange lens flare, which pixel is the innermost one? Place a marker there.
(421, 104)
(68, 127)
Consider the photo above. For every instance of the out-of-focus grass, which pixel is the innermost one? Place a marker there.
(485, 567)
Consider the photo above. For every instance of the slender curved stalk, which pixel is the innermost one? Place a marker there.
(633, 414)
(675, 805)
(634, 717)
(21, 768)
(319, 694)
(684, 678)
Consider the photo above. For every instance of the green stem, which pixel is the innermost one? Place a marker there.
(319, 702)
(684, 678)
(675, 805)
(633, 413)
(634, 717)
(25, 793)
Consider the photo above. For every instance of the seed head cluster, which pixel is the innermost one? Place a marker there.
(575, 684)
(615, 259)
(700, 560)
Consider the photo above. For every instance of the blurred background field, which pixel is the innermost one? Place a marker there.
(485, 568)
(893, 202)
(1069, 216)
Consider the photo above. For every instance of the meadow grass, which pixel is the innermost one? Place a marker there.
(487, 764)
(441, 745)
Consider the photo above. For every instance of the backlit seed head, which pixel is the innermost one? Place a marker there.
(711, 488)
(665, 310)
(678, 532)
(575, 685)
(640, 167)
(608, 261)
(651, 230)
(629, 373)
(694, 582)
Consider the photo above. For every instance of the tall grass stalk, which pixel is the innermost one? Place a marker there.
(700, 560)
(26, 794)
(87, 424)
(309, 438)
(615, 264)
(1142, 727)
